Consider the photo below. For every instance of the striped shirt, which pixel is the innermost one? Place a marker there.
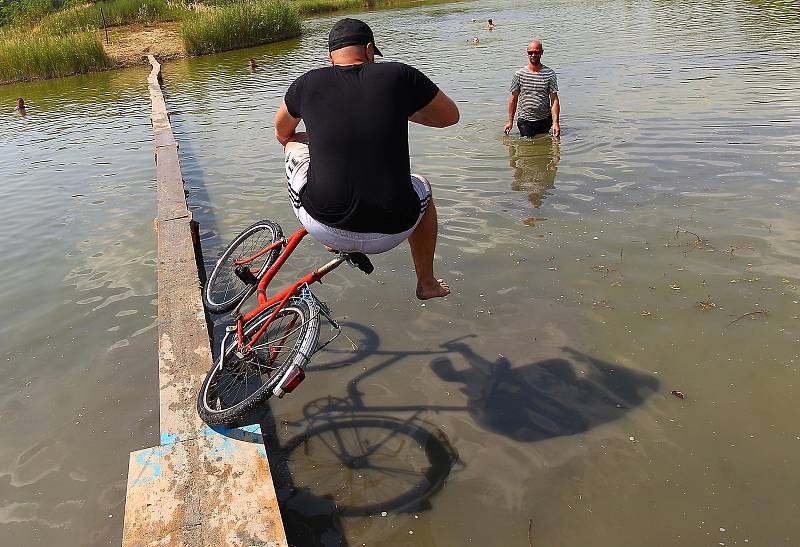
(534, 90)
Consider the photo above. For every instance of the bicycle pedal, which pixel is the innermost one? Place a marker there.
(246, 276)
(361, 261)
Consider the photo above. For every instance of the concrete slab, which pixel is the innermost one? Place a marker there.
(200, 486)
(203, 491)
(184, 351)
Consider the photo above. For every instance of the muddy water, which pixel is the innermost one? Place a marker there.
(652, 249)
(79, 380)
(591, 278)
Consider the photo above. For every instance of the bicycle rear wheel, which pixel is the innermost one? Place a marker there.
(238, 382)
(223, 288)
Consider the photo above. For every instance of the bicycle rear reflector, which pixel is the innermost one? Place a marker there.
(290, 380)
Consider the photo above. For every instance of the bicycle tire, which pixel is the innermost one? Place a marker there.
(235, 385)
(223, 289)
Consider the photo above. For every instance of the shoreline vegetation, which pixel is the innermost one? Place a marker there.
(41, 39)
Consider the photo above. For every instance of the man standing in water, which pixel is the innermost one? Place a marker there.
(349, 174)
(535, 87)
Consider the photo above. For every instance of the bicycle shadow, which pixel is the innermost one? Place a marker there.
(308, 519)
(533, 402)
(356, 445)
(354, 466)
(563, 395)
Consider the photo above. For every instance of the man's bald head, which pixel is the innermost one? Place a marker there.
(535, 51)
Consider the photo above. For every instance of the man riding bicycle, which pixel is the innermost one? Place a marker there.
(349, 174)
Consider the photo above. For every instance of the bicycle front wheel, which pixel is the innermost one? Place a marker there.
(243, 379)
(224, 288)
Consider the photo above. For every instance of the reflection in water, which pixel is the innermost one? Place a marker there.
(534, 163)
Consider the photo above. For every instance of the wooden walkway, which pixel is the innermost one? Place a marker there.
(199, 486)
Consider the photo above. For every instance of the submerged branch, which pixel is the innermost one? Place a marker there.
(751, 315)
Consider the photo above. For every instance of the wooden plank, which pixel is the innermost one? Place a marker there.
(169, 184)
(184, 352)
(200, 486)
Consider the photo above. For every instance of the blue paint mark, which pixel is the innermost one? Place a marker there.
(222, 444)
(221, 429)
(169, 438)
(150, 470)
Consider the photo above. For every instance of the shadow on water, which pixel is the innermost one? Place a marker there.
(545, 399)
(534, 163)
(354, 459)
(345, 466)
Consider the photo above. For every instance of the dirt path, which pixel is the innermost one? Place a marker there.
(130, 45)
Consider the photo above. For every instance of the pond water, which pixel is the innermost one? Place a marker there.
(653, 249)
(79, 386)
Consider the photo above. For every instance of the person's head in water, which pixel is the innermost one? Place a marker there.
(535, 51)
(476, 40)
(252, 64)
(352, 42)
(20, 104)
(489, 24)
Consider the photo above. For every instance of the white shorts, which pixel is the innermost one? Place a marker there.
(297, 163)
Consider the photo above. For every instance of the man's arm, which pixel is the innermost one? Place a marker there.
(440, 112)
(555, 107)
(285, 125)
(512, 109)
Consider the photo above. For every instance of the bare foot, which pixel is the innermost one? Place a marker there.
(434, 290)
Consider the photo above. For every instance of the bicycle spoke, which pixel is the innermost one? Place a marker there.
(249, 370)
(236, 383)
(226, 286)
(229, 281)
(242, 376)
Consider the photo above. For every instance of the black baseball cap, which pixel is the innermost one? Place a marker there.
(351, 32)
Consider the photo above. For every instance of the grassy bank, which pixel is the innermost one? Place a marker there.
(27, 57)
(239, 25)
(116, 13)
(313, 7)
(51, 38)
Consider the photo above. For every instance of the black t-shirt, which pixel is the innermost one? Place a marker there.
(357, 122)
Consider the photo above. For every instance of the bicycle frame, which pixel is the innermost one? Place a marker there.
(289, 245)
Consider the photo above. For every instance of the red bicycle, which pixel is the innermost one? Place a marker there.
(267, 349)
